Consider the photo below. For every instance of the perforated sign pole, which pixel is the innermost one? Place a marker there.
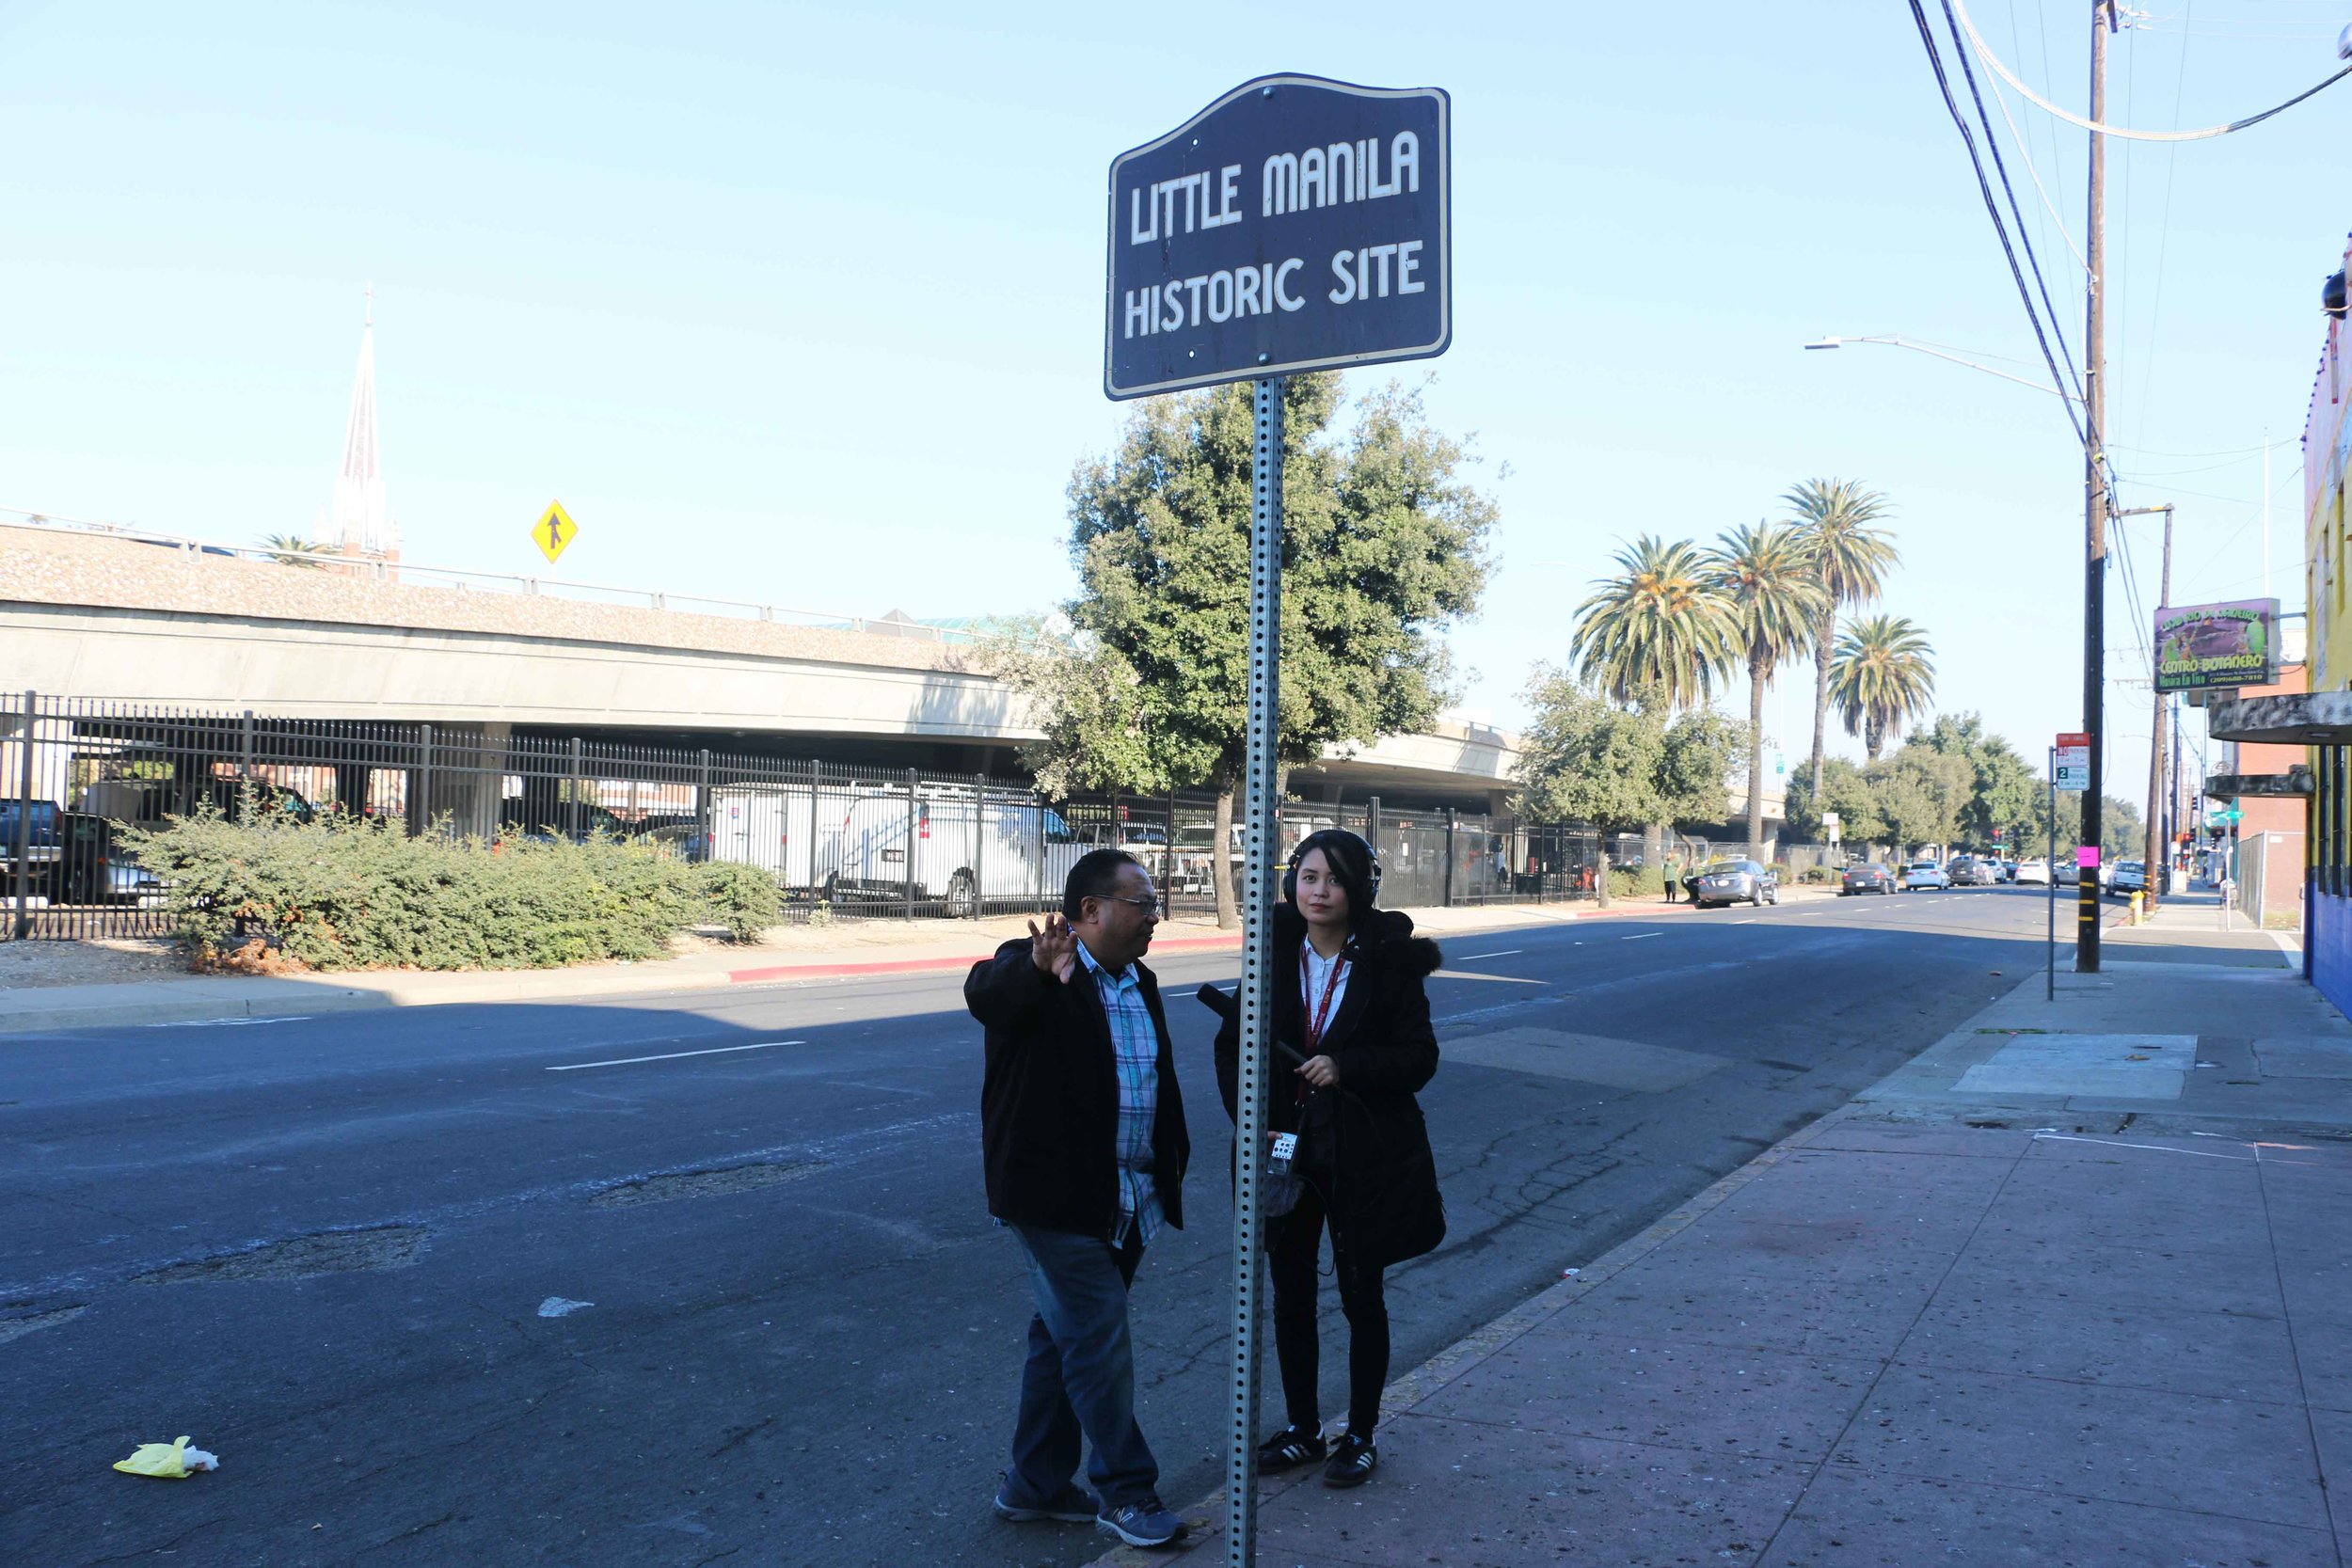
(1295, 224)
(1257, 970)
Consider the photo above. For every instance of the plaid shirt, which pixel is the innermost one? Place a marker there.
(1136, 1052)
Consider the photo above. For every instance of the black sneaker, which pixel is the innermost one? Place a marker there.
(1289, 1448)
(1072, 1505)
(1353, 1460)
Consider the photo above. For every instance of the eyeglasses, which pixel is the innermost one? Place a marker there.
(1151, 903)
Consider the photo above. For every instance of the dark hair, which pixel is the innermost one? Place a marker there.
(1095, 876)
(1350, 866)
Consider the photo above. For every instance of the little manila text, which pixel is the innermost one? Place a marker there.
(1295, 224)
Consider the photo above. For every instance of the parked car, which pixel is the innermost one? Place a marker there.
(95, 868)
(1967, 871)
(2130, 877)
(1921, 874)
(1866, 877)
(1730, 881)
(2033, 869)
(147, 802)
(38, 821)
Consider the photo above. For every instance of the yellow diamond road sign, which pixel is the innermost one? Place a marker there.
(553, 531)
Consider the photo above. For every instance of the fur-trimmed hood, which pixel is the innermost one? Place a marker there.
(1385, 936)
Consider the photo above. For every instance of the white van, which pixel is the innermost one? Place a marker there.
(968, 846)
(769, 825)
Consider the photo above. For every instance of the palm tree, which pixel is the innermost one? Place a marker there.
(1881, 677)
(1768, 572)
(288, 550)
(1660, 631)
(1852, 559)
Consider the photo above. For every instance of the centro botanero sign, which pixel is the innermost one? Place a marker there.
(1295, 224)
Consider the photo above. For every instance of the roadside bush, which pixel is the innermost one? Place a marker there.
(1623, 883)
(1818, 874)
(743, 898)
(338, 893)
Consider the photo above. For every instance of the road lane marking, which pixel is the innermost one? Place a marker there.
(672, 1056)
(1750, 921)
(1470, 958)
(1644, 935)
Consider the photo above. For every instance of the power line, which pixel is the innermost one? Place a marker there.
(1992, 211)
(2125, 133)
(1993, 146)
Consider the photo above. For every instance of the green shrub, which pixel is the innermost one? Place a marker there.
(743, 898)
(1818, 874)
(1628, 884)
(340, 894)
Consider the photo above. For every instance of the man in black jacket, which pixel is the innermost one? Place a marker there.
(1082, 1139)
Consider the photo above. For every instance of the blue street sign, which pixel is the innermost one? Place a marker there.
(1295, 224)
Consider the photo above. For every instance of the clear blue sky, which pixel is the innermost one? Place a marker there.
(803, 304)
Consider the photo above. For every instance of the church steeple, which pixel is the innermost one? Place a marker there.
(361, 518)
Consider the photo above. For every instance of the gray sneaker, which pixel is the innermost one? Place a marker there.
(1142, 1523)
(1072, 1505)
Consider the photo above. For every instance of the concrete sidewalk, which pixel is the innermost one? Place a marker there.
(2072, 1287)
(800, 956)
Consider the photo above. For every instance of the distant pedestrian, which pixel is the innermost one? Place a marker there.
(1351, 1019)
(1672, 870)
(1082, 1138)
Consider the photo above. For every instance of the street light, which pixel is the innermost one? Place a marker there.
(2096, 481)
(1953, 359)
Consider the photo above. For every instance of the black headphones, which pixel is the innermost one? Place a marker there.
(1328, 839)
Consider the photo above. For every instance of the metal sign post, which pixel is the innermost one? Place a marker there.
(1295, 224)
(1257, 967)
(2049, 977)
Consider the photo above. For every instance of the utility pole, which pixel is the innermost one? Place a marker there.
(2152, 868)
(2153, 847)
(2103, 21)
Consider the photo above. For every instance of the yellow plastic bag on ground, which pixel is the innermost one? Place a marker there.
(170, 1461)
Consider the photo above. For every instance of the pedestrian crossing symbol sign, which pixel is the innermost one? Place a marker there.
(554, 531)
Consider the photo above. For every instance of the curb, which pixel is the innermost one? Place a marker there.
(507, 986)
(1206, 1518)
(213, 1010)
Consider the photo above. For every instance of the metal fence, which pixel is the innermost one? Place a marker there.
(859, 843)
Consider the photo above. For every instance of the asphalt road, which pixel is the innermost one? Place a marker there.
(470, 1284)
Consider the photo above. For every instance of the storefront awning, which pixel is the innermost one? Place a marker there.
(2300, 719)
(2230, 786)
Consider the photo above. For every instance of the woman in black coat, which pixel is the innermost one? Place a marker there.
(1350, 1021)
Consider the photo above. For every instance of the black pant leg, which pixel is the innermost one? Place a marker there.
(1364, 1299)
(1293, 1241)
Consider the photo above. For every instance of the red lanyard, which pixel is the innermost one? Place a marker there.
(1330, 989)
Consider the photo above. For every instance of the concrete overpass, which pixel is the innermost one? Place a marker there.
(178, 623)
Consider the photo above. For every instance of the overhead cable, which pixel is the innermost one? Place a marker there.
(1993, 146)
(1993, 62)
(2075, 412)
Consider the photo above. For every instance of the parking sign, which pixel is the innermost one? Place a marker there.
(2074, 763)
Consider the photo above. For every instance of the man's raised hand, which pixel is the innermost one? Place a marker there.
(1053, 950)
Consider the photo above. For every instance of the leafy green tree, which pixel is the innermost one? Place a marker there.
(1881, 677)
(1921, 793)
(1766, 573)
(1660, 631)
(2005, 789)
(1852, 558)
(1843, 789)
(1384, 545)
(1087, 698)
(1616, 767)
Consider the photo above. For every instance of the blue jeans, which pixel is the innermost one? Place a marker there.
(1080, 1376)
